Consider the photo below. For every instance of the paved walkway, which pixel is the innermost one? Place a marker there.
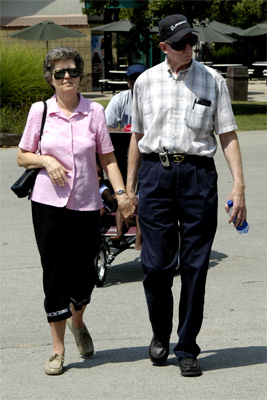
(257, 90)
(233, 336)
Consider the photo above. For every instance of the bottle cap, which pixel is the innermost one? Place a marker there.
(243, 227)
(230, 203)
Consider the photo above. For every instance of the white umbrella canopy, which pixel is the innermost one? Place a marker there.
(118, 26)
(123, 25)
(224, 28)
(256, 30)
(205, 33)
(209, 35)
(45, 31)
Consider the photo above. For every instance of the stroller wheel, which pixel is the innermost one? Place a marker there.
(101, 266)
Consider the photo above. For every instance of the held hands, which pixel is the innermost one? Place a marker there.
(133, 199)
(56, 171)
(126, 207)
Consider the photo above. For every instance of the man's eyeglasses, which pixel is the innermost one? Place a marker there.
(60, 73)
(178, 46)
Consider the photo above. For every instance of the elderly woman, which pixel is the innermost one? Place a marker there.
(65, 199)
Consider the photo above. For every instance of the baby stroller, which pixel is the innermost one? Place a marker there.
(108, 249)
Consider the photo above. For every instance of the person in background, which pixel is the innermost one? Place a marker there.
(119, 110)
(177, 107)
(119, 116)
(109, 203)
(66, 200)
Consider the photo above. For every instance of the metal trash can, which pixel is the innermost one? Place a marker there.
(237, 82)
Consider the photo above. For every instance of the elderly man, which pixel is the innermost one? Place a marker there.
(177, 107)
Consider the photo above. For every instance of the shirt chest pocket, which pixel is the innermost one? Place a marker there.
(199, 119)
(148, 108)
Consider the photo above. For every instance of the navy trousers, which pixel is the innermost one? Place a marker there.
(181, 198)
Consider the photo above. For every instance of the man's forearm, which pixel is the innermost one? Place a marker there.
(232, 153)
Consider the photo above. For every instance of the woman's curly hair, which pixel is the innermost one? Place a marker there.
(58, 54)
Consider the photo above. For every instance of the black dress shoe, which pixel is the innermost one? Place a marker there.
(189, 366)
(158, 353)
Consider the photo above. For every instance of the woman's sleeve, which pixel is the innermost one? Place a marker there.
(31, 135)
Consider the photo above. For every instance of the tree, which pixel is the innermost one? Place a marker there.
(138, 39)
(97, 7)
(242, 13)
(197, 9)
(145, 16)
(155, 9)
(249, 12)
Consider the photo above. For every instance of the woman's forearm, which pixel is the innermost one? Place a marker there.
(29, 160)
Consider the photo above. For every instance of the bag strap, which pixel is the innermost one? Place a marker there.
(43, 122)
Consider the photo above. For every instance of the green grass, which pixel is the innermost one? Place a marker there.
(250, 116)
(22, 84)
(22, 79)
(13, 118)
(103, 102)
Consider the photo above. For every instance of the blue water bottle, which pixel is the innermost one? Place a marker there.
(242, 228)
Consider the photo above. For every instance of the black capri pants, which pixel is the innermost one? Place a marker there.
(68, 242)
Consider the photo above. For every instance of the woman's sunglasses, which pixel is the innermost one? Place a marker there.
(60, 74)
(178, 46)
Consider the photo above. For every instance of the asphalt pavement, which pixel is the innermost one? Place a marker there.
(232, 338)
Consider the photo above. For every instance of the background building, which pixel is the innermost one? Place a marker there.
(19, 14)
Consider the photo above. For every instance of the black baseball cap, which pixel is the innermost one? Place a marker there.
(174, 28)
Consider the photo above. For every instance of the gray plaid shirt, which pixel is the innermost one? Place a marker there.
(166, 110)
(119, 110)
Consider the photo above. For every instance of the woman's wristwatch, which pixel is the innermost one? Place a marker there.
(119, 192)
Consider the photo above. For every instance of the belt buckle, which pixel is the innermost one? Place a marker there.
(178, 158)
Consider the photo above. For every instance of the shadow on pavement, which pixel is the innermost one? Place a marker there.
(125, 272)
(132, 271)
(233, 357)
(210, 360)
(117, 356)
(216, 257)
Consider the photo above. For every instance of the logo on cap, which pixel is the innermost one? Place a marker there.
(172, 27)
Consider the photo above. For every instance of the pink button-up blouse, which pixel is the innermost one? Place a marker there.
(73, 142)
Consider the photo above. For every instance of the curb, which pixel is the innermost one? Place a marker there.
(9, 139)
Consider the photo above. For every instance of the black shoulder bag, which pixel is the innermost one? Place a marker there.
(24, 185)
